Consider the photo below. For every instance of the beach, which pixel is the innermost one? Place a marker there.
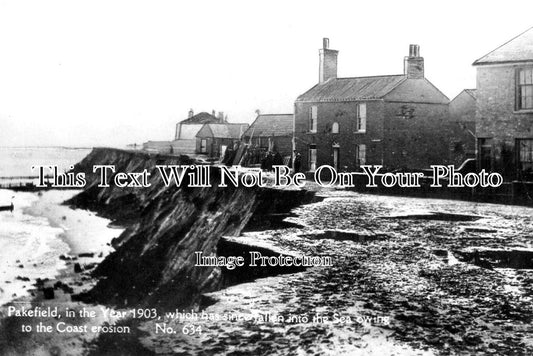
(408, 275)
(50, 239)
(39, 231)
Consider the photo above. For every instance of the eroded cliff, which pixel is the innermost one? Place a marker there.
(154, 259)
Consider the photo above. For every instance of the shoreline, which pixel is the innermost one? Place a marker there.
(67, 281)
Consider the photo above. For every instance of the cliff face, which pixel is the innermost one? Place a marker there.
(155, 256)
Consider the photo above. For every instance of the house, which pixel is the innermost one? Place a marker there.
(463, 126)
(185, 136)
(398, 121)
(504, 115)
(213, 139)
(186, 130)
(271, 132)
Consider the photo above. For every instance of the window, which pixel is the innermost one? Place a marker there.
(313, 116)
(525, 153)
(263, 142)
(361, 118)
(203, 146)
(360, 155)
(525, 89)
(312, 158)
(335, 128)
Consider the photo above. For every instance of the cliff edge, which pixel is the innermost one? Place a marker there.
(153, 263)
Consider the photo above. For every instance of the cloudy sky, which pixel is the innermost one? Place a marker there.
(86, 73)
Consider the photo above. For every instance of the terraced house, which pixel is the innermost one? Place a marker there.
(398, 121)
(504, 117)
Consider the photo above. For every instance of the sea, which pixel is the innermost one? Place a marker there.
(32, 236)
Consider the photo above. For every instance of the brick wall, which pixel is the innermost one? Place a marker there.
(416, 135)
(344, 113)
(497, 118)
(396, 142)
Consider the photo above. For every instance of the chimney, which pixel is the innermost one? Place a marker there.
(213, 113)
(328, 62)
(191, 113)
(178, 131)
(413, 66)
(221, 117)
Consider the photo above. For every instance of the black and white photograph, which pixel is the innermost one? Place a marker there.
(266, 178)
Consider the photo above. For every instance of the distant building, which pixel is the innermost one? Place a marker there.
(185, 136)
(463, 126)
(214, 139)
(186, 130)
(504, 116)
(271, 132)
(398, 121)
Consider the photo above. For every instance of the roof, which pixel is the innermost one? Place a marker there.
(352, 89)
(472, 93)
(268, 125)
(465, 93)
(201, 118)
(518, 49)
(226, 130)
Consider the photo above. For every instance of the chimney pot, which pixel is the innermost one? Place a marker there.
(191, 113)
(414, 50)
(325, 43)
(414, 64)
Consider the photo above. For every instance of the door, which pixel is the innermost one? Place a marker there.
(312, 158)
(525, 159)
(336, 158)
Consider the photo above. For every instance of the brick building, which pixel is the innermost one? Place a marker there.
(504, 116)
(463, 126)
(271, 132)
(399, 121)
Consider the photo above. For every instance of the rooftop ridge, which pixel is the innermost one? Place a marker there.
(372, 76)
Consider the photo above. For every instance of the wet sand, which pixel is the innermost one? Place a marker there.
(88, 237)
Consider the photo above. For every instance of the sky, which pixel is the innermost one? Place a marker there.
(110, 73)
